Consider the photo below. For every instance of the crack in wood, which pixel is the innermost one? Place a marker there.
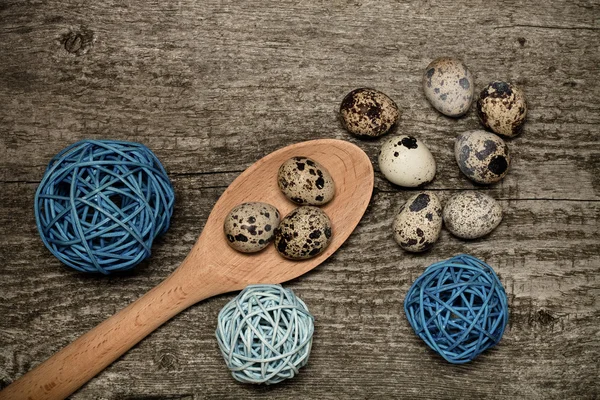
(553, 27)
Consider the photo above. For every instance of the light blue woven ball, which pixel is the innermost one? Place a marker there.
(458, 307)
(101, 204)
(265, 334)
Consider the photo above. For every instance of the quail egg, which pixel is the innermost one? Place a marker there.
(502, 108)
(448, 86)
(250, 227)
(305, 181)
(419, 223)
(303, 233)
(472, 214)
(482, 156)
(406, 161)
(368, 112)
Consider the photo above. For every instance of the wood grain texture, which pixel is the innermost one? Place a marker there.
(213, 86)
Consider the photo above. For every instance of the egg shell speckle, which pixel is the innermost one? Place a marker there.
(448, 85)
(471, 215)
(406, 161)
(303, 233)
(419, 222)
(368, 112)
(482, 156)
(305, 181)
(250, 227)
(502, 108)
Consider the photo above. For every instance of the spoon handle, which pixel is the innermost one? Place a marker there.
(80, 361)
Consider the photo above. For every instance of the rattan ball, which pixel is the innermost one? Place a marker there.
(265, 334)
(458, 307)
(101, 204)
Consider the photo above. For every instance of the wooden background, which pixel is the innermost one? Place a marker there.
(212, 86)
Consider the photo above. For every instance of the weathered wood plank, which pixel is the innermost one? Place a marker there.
(244, 82)
(546, 253)
(213, 86)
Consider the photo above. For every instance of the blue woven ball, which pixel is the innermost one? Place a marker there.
(458, 307)
(265, 334)
(101, 203)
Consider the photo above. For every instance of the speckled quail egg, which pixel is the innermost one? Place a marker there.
(303, 233)
(448, 85)
(305, 181)
(419, 223)
(482, 156)
(406, 161)
(250, 227)
(502, 108)
(368, 112)
(472, 214)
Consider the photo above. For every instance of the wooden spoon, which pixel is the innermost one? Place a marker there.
(211, 267)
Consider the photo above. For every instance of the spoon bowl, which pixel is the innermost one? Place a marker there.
(212, 267)
(352, 173)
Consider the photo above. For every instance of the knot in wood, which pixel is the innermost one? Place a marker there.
(79, 42)
(168, 362)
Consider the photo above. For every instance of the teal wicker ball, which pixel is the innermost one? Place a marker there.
(101, 204)
(265, 334)
(458, 307)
